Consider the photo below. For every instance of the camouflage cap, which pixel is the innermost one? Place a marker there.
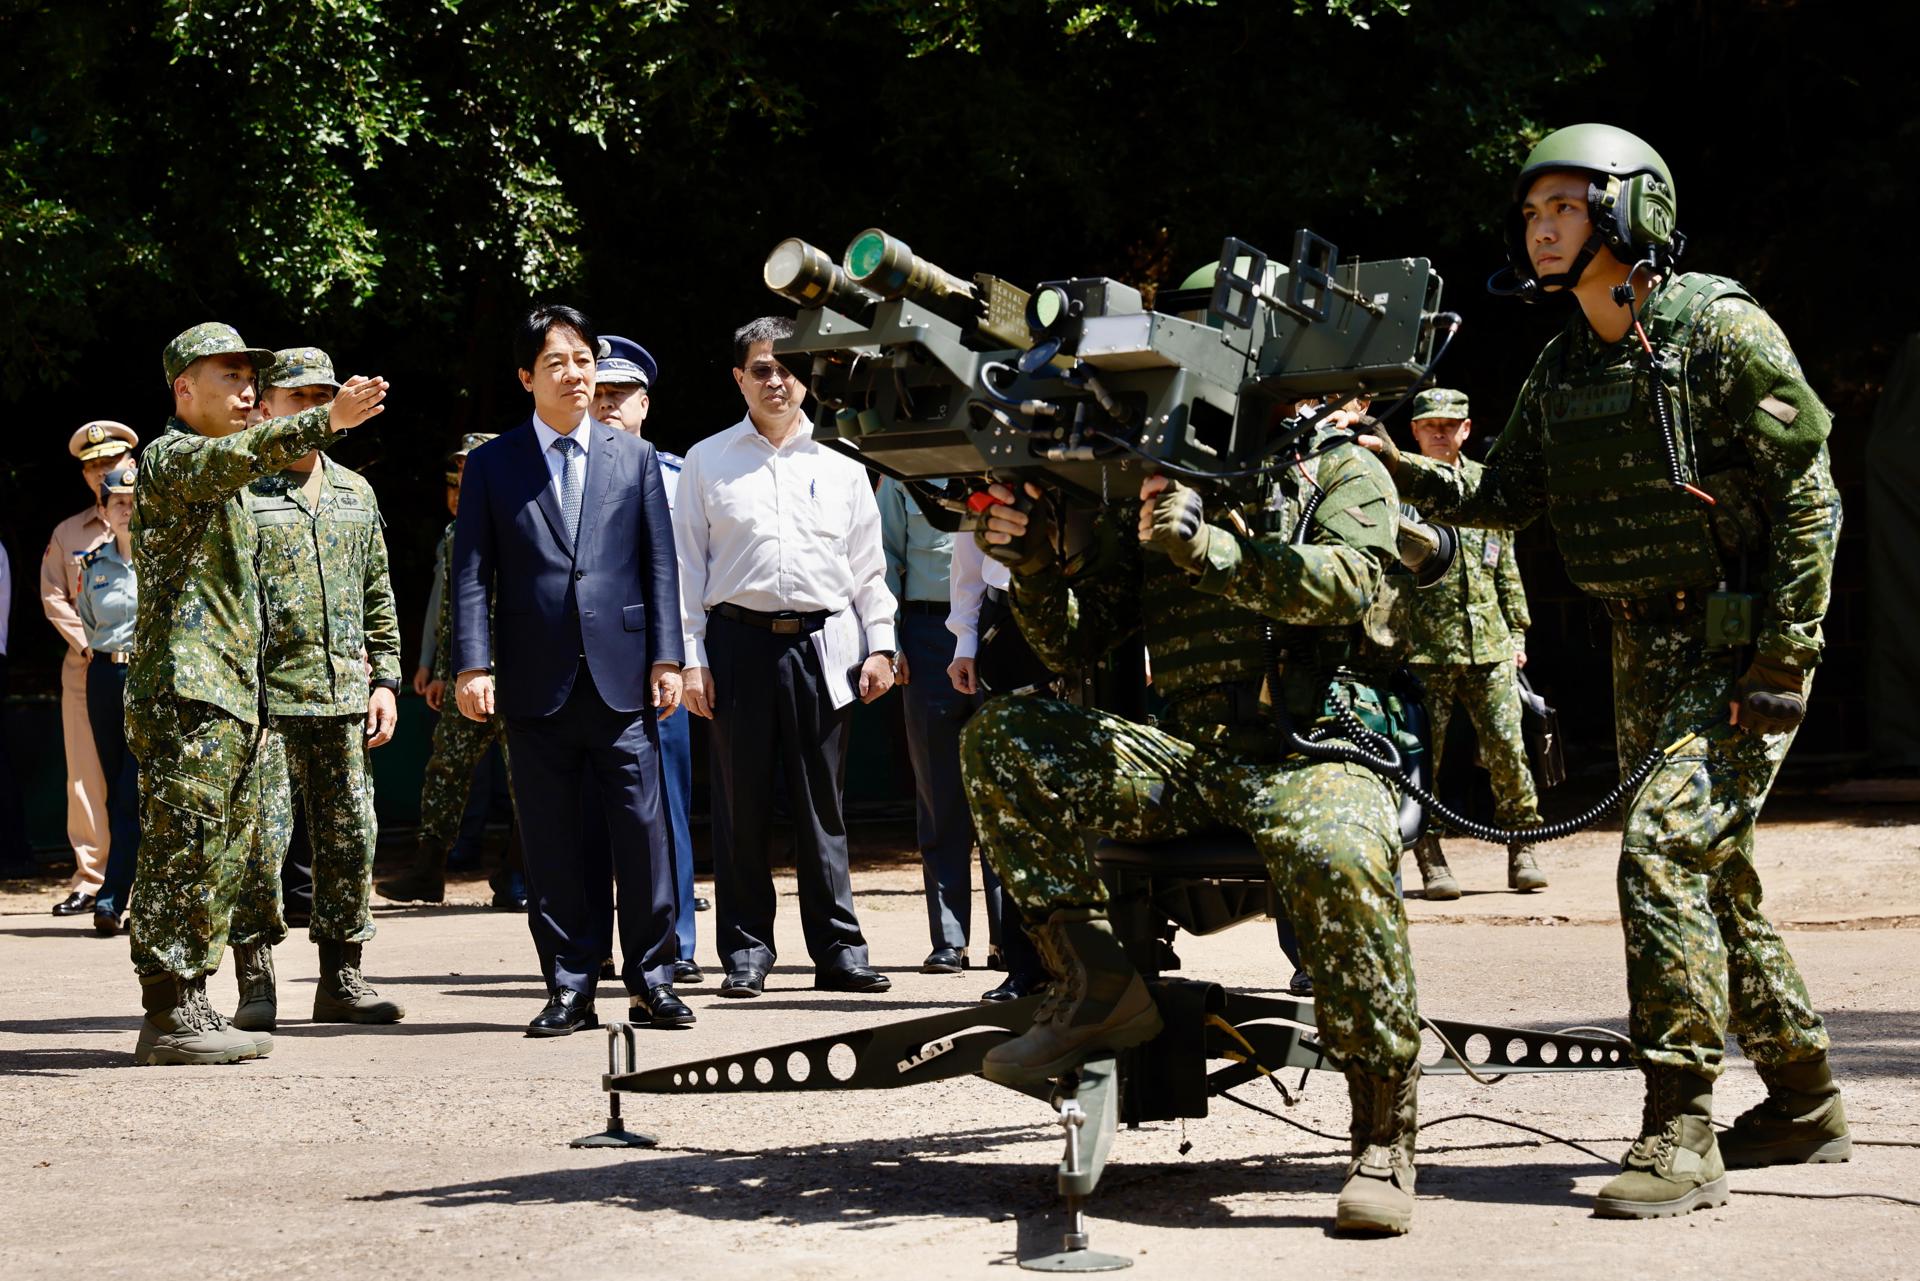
(472, 441)
(468, 443)
(301, 367)
(209, 339)
(101, 438)
(1440, 402)
(117, 481)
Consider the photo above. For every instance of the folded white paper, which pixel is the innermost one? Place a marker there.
(841, 646)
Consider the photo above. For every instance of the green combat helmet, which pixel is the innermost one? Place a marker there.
(1630, 198)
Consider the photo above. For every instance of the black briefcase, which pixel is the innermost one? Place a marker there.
(1541, 726)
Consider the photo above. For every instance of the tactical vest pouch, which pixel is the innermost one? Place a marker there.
(1730, 619)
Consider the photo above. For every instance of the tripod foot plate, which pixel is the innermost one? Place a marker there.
(1076, 1261)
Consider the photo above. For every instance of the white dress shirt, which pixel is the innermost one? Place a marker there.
(794, 528)
(555, 458)
(973, 572)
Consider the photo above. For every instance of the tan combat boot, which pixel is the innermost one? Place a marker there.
(1098, 1002)
(1523, 873)
(1435, 875)
(182, 1027)
(1378, 1193)
(1674, 1166)
(343, 995)
(1800, 1122)
(259, 1009)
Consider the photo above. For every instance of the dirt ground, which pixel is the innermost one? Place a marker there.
(438, 1147)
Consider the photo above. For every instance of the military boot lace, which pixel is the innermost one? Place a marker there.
(197, 1012)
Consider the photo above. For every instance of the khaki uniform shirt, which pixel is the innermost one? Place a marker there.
(72, 539)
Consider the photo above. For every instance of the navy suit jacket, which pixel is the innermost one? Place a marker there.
(614, 598)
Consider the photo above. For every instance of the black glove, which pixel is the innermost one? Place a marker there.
(1177, 525)
(1389, 453)
(1032, 551)
(1772, 697)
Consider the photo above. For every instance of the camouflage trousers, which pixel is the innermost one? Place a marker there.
(1701, 957)
(458, 745)
(1042, 774)
(199, 793)
(1491, 696)
(322, 759)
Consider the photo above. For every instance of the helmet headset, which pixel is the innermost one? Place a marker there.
(1631, 203)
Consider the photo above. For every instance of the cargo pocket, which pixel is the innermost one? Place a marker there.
(191, 795)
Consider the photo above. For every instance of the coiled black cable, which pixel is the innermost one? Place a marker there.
(1392, 766)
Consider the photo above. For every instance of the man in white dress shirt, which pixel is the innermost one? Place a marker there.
(777, 535)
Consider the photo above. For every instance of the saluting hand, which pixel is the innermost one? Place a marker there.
(358, 400)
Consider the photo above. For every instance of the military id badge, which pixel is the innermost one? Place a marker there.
(1491, 555)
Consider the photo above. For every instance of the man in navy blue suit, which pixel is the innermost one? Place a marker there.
(564, 536)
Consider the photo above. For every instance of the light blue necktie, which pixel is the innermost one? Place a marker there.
(572, 469)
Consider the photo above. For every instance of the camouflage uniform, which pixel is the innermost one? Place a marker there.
(193, 686)
(1584, 447)
(326, 601)
(458, 743)
(1462, 634)
(1041, 773)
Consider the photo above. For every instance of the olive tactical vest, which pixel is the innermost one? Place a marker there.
(1199, 641)
(1624, 530)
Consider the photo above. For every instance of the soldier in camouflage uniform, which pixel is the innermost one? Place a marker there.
(1042, 773)
(459, 743)
(1466, 636)
(193, 685)
(327, 618)
(1670, 464)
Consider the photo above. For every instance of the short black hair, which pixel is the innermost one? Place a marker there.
(765, 329)
(532, 334)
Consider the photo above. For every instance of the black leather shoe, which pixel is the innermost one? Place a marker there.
(566, 1012)
(510, 895)
(944, 960)
(688, 972)
(701, 905)
(1301, 984)
(1013, 987)
(106, 924)
(74, 904)
(744, 982)
(662, 1007)
(854, 978)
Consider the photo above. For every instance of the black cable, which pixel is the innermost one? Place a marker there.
(1393, 767)
(1576, 1145)
(1426, 376)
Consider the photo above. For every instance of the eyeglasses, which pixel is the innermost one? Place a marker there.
(763, 370)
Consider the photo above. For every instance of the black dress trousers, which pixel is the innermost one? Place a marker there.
(772, 706)
(566, 884)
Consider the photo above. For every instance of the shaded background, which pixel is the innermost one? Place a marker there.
(394, 182)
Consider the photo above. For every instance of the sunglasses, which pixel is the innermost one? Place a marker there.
(763, 370)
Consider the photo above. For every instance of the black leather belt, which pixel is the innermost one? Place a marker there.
(784, 622)
(1678, 606)
(939, 607)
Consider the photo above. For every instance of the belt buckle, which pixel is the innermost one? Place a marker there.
(785, 626)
